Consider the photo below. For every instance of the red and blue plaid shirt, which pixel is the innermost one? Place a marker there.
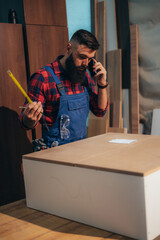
(42, 88)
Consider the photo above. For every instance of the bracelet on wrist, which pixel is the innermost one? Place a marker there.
(99, 86)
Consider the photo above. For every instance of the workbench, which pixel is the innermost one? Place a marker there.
(110, 182)
(18, 222)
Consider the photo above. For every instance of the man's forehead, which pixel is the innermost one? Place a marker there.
(84, 50)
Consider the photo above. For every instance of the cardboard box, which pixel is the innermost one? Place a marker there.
(109, 185)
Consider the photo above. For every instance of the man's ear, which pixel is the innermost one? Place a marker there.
(69, 48)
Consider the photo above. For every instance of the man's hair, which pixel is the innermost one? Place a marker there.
(84, 37)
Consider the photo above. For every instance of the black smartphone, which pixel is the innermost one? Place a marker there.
(90, 68)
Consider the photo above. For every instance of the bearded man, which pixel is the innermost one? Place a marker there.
(63, 93)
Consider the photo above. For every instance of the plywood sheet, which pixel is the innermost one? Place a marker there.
(134, 90)
(140, 158)
(14, 141)
(45, 12)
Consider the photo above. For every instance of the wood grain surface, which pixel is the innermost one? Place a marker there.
(139, 158)
(45, 43)
(45, 12)
(101, 32)
(114, 68)
(99, 125)
(134, 90)
(19, 222)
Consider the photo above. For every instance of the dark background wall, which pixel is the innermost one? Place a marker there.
(6, 5)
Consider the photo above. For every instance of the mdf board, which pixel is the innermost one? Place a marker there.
(45, 12)
(99, 182)
(134, 90)
(14, 141)
(45, 43)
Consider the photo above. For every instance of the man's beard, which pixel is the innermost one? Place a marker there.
(76, 74)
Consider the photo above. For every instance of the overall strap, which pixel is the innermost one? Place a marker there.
(56, 79)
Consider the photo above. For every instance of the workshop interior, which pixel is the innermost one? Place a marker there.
(33, 33)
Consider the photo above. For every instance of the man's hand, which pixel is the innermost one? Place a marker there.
(32, 114)
(101, 75)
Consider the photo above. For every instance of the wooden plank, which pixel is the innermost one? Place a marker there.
(123, 32)
(101, 32)
(117, 130)
(45, 12)
(114, 69)
(45, 43)
(134, 90)
(125, 109)
(96, 126)
(117, 114)
(14, 141)
(111, 26)
(94, 17)
(99, 125)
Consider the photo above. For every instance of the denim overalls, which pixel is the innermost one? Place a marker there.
(70, 124)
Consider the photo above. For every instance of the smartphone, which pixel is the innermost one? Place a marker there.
(90, 68)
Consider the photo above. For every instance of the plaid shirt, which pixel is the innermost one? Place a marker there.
(42, 88)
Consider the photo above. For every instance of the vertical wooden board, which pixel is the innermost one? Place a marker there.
(45, 43)
(14, 141)
(114, 69)
(94, 17)
(117, 114)
(125, 109)
(101, 32)
(134, 90)
(98, 125)
(123, 32)
(111, 26)
(45, 12)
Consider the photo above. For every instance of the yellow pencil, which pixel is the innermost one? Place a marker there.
(19, 86)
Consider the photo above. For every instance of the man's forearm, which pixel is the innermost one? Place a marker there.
(102, 98)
